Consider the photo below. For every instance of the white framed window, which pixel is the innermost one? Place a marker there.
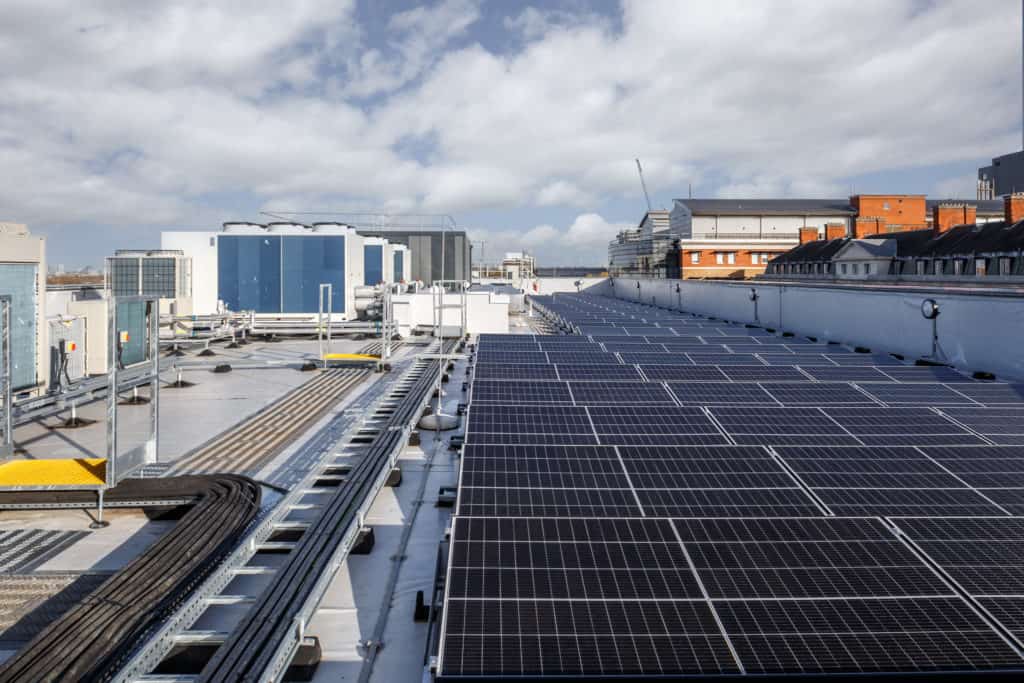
(1004, 265)
(695, 257)
(730, 258)
(843, 268)
(921, 267)
(980, 266)
(754, 256)
(867, 269)
(719, 258)
(856, 268)
(958, 267)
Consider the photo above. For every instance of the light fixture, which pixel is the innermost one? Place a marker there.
(930, 309)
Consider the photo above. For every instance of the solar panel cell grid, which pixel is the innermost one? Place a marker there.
(582, 566)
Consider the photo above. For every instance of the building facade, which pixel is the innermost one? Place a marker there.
(23, 278)
(956, 249)
(1005, 175)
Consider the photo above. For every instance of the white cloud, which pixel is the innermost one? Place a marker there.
(128, 113)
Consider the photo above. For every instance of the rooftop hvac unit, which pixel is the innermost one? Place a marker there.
(333, 228)
(286, 228)
(243, 227)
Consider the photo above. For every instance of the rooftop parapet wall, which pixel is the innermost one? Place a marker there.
(977, 331)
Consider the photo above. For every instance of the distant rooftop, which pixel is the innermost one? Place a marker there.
(782, 207)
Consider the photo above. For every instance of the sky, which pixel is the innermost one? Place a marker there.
(119, 119)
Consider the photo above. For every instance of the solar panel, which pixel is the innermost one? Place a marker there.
(863, 359)
(596, 393)
(781, 426)
(884, 481)
(500, 356)
(992, 394)
(516, 371)
(998, 425)
(917, 394)
(613, 347)
(795, 359)
(699, 539)
(926, 374)
(764, 373)
(599, 373)
(720, 393)
(568, 358)
(644, 613)
(901, 426)
(985, 556)
(655, 358)
(684, 373)
(486, 391)
(724, 358)
(816, 394)
(846, 374)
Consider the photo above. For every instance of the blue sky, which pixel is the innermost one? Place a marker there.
(521, 120)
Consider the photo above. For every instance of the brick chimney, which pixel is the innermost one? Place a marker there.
(864, 226)
(947, 215)
(808, 235)
(1013, 207)
(835, 231)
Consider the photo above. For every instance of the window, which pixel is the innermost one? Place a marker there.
(958, 267)
(730, 258)
(980, 266)
(940, 266)
(843, 268)
(1005, 266)
(694, 257)
(719, 258)
(885, 206)
(856, 268)
(753, 257)
(867, 269)
(921, 267)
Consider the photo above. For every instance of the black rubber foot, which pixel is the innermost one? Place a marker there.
(176, 353)
(75, 423)
(232, 345)
(420, 612)
(364, 542)
(862, 349)
(986, 376)
(394, 477)
(220, 369)
(242, 342)
(414, 439)
(134, 401)
(183, 384)
(308, 367)
(206, 353)
(99, 525)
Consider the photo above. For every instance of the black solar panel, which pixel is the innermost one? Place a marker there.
(655, 358)
(817, 394)
(846, 374)
(486, 391)
(764, 373)
(741, 532)
(599, 373)
(533, 372)
(720, 393)
(597, 393)
(683, 373)
(917, 394)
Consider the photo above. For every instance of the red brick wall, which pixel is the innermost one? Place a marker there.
(1013, 205)
(946, 216)
(808, 235)
(897, 209)
(835, 231)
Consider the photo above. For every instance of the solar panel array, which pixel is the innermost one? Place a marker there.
(663, 495)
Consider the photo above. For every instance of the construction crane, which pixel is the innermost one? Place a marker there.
(640, 170)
